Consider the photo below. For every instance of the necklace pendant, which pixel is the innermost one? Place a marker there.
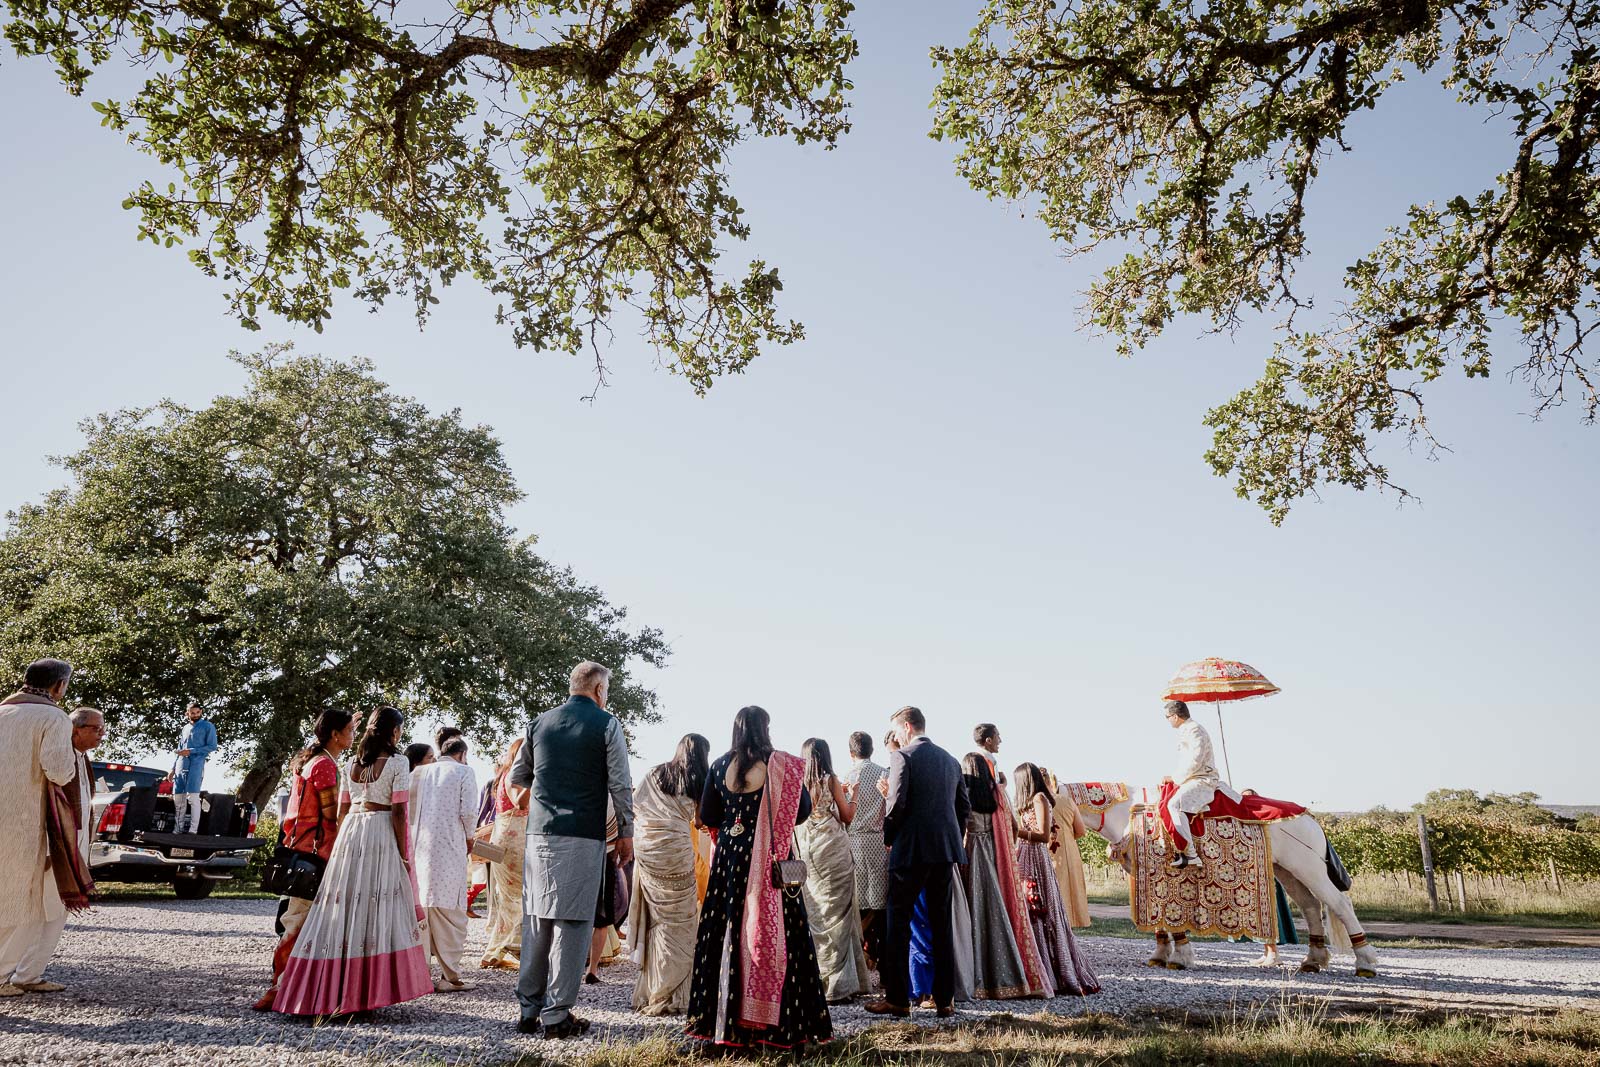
(738, 826)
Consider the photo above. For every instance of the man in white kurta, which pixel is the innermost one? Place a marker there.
(443, 814)
(35, 747)
(1196, 778)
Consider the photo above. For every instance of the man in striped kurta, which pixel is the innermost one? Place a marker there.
(866, 843)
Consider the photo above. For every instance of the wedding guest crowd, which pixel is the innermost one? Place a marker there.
(755, 889)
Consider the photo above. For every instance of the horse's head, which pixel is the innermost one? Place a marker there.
(1105, 808)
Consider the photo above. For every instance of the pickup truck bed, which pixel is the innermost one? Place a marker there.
(133, 839)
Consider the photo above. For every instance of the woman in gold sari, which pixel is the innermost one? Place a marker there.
(510, 832)
(830, 887)
(1064, 854)
(663, 914)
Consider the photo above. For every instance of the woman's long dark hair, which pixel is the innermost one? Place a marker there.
(377, 740)
(1029, 784)
(752, 742)
(685, 774)
(330, 722)
(819, 764)
(980, 783)
(416, 753)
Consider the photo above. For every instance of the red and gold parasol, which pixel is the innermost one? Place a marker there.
(1213, 680)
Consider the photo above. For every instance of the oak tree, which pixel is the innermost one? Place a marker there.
(314, 541)
(569, 155)
(1187, 135)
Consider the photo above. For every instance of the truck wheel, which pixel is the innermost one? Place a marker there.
(194, 888)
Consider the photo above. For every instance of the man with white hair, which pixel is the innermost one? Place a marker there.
(35, 748)
(1197, 780)
(574, 759)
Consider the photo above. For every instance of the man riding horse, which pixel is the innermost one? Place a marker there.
(1197, 781)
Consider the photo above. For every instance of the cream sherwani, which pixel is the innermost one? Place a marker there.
(35, 747)
(443, 813)
(1197, 779)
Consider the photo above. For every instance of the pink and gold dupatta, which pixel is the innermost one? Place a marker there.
(764, 955)
(1005, 859)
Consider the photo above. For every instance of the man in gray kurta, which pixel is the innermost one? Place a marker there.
(574, 759)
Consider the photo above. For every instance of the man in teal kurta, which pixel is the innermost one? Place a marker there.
(574, 759)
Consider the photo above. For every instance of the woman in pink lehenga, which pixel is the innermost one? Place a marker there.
(361, 946)
(1064, 961)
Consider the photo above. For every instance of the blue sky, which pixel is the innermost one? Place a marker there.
(947, 495)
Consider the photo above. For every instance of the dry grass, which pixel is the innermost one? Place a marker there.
(1296, 1031)
(1389, 898)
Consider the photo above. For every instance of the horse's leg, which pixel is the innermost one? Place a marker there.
(1163, 950)
(1182, 957)
(1299, 847)
(1317, 956)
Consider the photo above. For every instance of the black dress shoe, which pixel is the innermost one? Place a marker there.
(946, 1011)
(530, 1026)
(571, 1026)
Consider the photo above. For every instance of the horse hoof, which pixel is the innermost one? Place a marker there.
(1176, 966)
(1309, 968)
(1155, 962)
(1366, 972)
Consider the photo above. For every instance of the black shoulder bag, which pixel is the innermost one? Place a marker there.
(292, 873)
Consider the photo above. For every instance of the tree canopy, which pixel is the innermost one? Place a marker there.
(1187, 135)
(570, 155)
(314, 541)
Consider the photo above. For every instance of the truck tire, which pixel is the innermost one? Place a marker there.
(192, 887)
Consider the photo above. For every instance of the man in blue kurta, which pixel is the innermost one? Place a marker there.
(574, 760)
(198, 741)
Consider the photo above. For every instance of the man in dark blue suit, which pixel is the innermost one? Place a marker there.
(922, 826)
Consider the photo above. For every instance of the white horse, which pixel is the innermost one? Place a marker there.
(1299, 860)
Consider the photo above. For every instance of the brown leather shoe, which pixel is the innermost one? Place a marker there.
(883, 1007)
(946, 1011)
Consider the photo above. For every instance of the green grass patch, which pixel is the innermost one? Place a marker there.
(136, 891)
(1302, 1032)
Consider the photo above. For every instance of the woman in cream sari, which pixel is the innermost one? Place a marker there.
(510, 832)
(662, 916)
(830, 887)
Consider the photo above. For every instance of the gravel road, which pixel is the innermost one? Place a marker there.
(171, 983)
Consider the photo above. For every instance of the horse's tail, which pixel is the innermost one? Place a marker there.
(1338, 936)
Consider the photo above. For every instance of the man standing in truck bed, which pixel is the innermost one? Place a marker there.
(198, 741)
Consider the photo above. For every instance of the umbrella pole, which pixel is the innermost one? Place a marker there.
(1223, 735)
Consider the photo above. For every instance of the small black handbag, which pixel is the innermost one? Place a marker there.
(786, 874)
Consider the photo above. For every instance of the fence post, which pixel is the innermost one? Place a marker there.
(1461, 891)
(1427, 862)
(1555, 875)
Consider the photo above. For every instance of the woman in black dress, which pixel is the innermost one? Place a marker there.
(724, 967)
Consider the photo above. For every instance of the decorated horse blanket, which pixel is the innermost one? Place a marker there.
(1231, 895)
(1095, 796)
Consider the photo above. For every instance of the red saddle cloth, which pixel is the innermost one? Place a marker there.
(1252, 808)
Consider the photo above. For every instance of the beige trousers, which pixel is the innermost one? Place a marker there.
(25, 949)
(447, 940)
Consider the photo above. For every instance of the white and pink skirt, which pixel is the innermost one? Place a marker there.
(361, 946)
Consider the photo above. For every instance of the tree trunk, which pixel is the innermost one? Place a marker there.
(261, 780)
(280, 738)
